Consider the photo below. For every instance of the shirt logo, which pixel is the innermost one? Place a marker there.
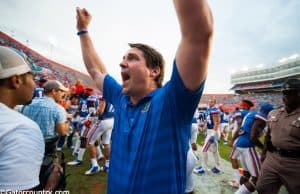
(146, 107)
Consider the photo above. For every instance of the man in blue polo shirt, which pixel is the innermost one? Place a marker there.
(152, 123)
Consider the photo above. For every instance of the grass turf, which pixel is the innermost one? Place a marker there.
(78, 183)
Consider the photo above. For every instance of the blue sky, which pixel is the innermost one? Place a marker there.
(247, 33)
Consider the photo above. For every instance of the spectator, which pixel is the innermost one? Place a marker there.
(50, 116)
(52, 119)
(21, 141)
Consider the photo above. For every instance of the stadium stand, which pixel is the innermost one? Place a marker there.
(263, 84)
(44, 67)
(259, 85)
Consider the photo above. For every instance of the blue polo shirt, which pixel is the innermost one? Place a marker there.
(150, 139)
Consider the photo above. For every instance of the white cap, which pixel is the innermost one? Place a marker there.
(12, 63)
(54, 85)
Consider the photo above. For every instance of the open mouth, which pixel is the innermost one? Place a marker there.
(125, 76)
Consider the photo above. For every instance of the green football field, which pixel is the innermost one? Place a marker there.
(78, 183)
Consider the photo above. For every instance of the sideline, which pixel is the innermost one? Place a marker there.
(210, 183)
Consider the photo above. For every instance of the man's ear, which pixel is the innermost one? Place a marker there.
(154, 72)
(15, 81)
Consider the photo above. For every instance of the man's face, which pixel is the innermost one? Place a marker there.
(134, 72)
(58, 95)
(26, 90)
(291, 97)
(74, 101)
(211, 102)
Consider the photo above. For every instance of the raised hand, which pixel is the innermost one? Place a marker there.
(83, 19)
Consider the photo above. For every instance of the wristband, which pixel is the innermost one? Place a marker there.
(82, 32)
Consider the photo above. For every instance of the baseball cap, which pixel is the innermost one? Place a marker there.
(54, 85)
(291, 84)
(12, 63)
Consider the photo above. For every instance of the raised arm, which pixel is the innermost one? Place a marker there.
(92, 61)
(196, 24)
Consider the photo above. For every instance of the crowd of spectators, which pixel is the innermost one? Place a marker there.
(253, 86)
(231, 101)
(50, 70)
(45, 68)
